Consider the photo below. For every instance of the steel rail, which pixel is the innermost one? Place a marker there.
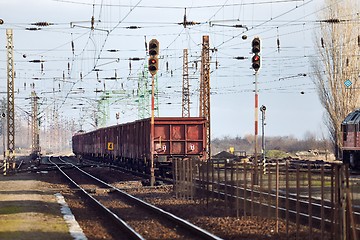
(302, 214)
(292, 198)
(132, 233)
(134, 172)
(189, 226)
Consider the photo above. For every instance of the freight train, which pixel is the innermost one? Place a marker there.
(350, 128)
(130, 144)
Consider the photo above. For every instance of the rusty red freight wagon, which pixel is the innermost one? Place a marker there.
(129, 143)
(350, 128)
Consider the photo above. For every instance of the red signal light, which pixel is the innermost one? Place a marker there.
(153, 65)
(256, 62)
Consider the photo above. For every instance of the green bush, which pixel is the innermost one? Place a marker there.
(276, 154)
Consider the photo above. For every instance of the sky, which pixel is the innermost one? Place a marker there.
(81, 62)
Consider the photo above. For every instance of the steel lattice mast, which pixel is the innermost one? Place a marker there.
(143, 94)
(35, 144)
(205, 90)
(10, 99)
(185, 90)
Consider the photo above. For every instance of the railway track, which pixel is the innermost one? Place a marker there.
(90, 163)
(294, 207)
(138, 217)
(307, 206)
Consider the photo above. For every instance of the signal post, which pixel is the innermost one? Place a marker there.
(153, 68)
(256, 66)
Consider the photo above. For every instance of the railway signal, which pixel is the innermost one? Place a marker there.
(256, 47)
(153, 56)
(153, 68)
(256, 60)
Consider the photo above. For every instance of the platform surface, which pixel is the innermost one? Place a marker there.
(29, 210)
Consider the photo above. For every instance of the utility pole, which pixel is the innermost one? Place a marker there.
(185, 87)
(10, 99)
(35, 143)
(3, 121)
(205, 91)
(263, 109)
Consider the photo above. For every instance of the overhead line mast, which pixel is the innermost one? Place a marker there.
(35, 145)
(10, 98)
(205, 91)
(185, 90)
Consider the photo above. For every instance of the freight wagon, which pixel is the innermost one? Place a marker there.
(350, 128)
(129, 144)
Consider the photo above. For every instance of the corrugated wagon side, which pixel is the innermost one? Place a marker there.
(129, 144)
(350, 128)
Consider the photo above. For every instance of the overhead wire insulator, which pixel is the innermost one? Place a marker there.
(240, 26)
(186, 23)
(322, 42)
(167, 66)
(112, 50)
(146, 46)
(81, 76)
(42, 24)
(359, 40)
(332, 20)
(278, 44)
(72, 47)
(68, 68)
(36, 61)
(42, 67)
(133, 27)
(239, 58)
(92, 22)
(33, 29)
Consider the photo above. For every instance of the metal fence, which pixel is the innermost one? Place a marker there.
(321, 198)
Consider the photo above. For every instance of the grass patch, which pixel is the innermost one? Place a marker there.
(10, 209)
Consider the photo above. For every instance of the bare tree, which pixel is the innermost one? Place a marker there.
(338, 45)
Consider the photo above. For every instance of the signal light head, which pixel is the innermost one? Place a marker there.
(256, 45)
(153, 65)
(256, 62)
(153, 47)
